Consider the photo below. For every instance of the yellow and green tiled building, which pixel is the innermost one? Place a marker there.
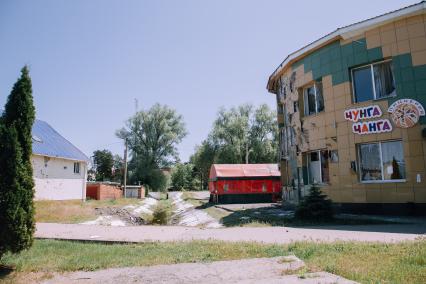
(351, 115)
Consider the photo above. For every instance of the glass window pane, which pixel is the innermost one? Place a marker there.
(370, 167)
(310, 101)
(383, 80)
(325, 169)
(363, 84)
(393, 160)
(319, 98)
(314, 168)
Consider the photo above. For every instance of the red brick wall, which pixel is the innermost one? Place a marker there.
(100, 191)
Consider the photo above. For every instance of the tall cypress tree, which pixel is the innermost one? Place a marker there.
(16, 174)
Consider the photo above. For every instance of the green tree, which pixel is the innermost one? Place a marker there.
(184, 177)
(152, 137)
(263, 136)
(103, 162)
(243, 134)
(16, 174)
(315, 206)
(158, 180)
(246, 135)
(117, 169)
(204, 156)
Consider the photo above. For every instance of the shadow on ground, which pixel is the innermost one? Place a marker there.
(5, 270)
(276, 216)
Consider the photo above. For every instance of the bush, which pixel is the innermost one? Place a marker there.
(161, 214)
(315, 207)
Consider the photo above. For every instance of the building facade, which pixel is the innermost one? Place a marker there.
(59, 168)
(351, 115)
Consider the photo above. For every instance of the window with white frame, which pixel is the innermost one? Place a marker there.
(76, 168)
(381, 161)
(317, 166)
(373, 82)
(313, 99)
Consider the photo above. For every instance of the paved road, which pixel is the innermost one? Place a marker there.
(280, 235)
(234, 271)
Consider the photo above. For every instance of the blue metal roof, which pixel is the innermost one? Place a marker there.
(48, 142)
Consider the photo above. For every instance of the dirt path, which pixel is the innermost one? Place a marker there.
(256, 270)
(280, 235)
(186, 214)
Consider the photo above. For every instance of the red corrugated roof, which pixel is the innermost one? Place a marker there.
(244, 170)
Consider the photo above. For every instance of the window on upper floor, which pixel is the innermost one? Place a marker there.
(76, 168)
(373, 82)
(313, 99)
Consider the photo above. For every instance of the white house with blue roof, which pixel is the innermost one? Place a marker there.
(60, 168)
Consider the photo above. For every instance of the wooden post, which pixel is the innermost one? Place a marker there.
(125, 167)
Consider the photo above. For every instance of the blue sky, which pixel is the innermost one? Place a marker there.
(90, 60)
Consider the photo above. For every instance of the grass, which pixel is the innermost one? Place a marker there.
(74, 211)
(213, 211)
(367, 263)
(162, 212)
(363, 262)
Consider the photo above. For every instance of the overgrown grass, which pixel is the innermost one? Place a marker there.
(189, 197)
(216, 213)
(74, 211)
(162, 213)
(363, 262)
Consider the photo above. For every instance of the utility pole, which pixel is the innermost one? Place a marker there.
(136, 105)
(125, 167)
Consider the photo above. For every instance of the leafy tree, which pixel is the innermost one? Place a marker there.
(246, 135)
(184, 177)
(117, 169)
(16, 174)
(202, 159)
(152, 137)
(158, 180)
(263, 136)
(315, 206)
(103, 162)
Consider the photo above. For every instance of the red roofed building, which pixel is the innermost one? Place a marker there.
(248, 182)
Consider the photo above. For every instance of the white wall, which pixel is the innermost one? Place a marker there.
(55, 179)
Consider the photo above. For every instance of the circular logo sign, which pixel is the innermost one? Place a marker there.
(405, 113)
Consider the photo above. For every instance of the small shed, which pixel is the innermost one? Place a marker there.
(244, 183)
(103, 190)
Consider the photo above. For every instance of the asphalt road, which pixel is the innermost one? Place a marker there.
(279, 235)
